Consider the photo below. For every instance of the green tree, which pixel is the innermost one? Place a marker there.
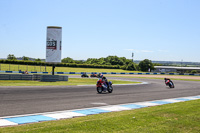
(111, 60)
(114, 60)
(79, 61)
(131, 66)
(194, 71)
(145, 65)
(11, 57)
(25, 58)
(38, 60)
(68, 60)
(102, 61)
(157, 64)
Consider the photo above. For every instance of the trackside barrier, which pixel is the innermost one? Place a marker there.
(49, 78)
(35, 77)
(153, 73)
(15, 77)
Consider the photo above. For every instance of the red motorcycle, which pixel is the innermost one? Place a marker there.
(169, 83)
(93, 75)
(103, 86)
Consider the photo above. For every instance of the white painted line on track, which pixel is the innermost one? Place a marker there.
(114, 108)
(171, 100)
(64, 115)
(99, 103)
(4, 122)
(191, 98)
(147, 104)
(120, 84)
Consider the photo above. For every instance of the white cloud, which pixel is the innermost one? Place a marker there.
(139, 51)
(147, 51)
(129, 49)
(162, 50)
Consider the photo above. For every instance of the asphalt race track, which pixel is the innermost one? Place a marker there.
(29, 100)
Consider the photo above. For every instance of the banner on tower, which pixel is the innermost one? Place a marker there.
(53, 44)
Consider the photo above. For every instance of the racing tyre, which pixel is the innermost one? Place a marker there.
(171, 85)
(110, 89)
(99, 89)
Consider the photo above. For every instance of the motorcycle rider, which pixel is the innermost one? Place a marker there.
(100, 75)
(105, 80)
(167, 80)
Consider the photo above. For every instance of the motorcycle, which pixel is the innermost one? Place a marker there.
(99, 75)
(102, 86)
(84, 75)
(169, 83)
(93, 75)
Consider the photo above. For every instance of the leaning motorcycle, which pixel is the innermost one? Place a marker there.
(170, 84)
(103, 87)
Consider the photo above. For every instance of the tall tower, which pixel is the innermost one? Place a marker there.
(53, 45)
(132, 56)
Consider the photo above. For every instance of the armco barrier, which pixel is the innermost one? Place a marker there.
(49, 78)
(153, 73)
(35, 77)
(15, 77)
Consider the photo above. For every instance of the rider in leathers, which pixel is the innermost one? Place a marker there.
(105, 80)
(167, 80)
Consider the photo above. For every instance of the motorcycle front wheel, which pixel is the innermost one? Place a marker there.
(110, 89)
(99, 89)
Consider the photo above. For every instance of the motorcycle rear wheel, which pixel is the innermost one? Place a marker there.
(171, 85)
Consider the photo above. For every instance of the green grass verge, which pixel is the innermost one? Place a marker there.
(12, 67)
(181, 117)
(72, 81)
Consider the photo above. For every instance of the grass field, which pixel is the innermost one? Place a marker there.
(72, 81)
(11, 67)
(181, 117)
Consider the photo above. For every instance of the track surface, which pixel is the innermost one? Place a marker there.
(28, 100)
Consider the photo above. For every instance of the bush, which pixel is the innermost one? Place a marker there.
(194, 71)
(131, 66)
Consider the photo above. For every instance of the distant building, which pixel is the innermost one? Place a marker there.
(167, 69)
(30, 59)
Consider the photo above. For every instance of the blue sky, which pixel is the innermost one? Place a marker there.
(164, 30)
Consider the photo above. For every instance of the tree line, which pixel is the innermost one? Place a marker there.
(122, 62)
(113, 62)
